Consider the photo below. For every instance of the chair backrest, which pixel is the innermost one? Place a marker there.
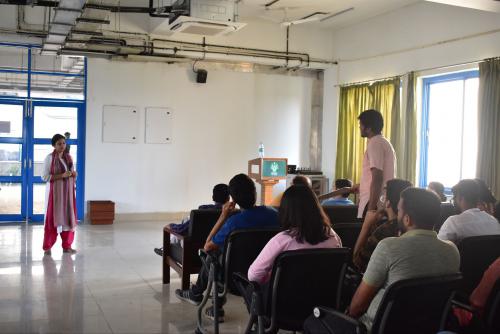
(415, 306)
(447, 209)
(303, 279)
(341, 213)
(492, 310)
(476, 255)
(202, 222)
(241, 248)
(348, 233)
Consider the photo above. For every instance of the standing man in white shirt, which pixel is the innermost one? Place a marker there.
(379, 161)
(471, 221)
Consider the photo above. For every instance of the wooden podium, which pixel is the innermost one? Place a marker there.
(267, 172)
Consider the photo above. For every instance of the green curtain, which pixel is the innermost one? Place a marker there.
(488, 160)
(404, 133)
(383, 96)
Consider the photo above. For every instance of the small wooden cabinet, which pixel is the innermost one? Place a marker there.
(101, 212)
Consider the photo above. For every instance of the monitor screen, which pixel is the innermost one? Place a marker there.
(273, 168)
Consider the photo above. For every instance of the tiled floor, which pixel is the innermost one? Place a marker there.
(113, 284)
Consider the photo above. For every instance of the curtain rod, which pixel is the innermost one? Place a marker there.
(419, 70)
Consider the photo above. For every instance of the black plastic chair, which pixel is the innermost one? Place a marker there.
(447, 210)
(489, 321)
(342, 213)
(348, 233)
(241, 248)
(476, 255)
(300, 280)
(412, 306)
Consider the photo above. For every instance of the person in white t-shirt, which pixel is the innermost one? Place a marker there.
(379, 161)
(471, 221)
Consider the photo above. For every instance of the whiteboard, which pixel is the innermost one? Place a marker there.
(159, 125)
(120, 124)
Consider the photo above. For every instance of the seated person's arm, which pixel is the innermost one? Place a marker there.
(341, 191)
(362, 299)
(226, 211)
(260, 270)
(374, 277)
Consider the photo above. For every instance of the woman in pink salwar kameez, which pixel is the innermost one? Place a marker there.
(60, 207)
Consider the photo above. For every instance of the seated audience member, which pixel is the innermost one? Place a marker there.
(416, 253)
(341, 199)
(486, 199)
(220, 195)
(298, 180)
(471, 221)
(379, 227)
(243, 193)
(438, 189)
(480, 295)
(305, 225)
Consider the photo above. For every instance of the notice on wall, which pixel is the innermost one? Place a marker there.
(120, 124)
(159, 125)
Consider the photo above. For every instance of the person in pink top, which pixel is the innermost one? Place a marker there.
(305, 225)
(379, 161)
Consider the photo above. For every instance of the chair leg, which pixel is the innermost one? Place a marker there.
(185, 279)
(165, 265)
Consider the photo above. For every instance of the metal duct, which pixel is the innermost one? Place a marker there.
(64, 20)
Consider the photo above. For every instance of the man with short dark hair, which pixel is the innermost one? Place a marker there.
(220, 195)
(380, 227)
(341, 199)
(243, 192)
(471, 221)
(417, 253)
(379, 161)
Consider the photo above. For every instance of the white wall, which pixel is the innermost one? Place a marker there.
(217, 129)
(404, 40)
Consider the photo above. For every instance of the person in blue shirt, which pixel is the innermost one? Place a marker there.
(343, 198)
(243, 193)
(220, 195)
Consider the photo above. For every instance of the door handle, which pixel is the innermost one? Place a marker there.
(30, 164)
(24, 163)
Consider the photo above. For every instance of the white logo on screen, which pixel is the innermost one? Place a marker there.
(274, 168)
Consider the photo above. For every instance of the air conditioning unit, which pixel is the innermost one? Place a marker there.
(202, 17)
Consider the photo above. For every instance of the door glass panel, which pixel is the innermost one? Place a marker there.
(51, 120)
(57, 87)
(10, 198)
(13, 84)
(11, 120)
(40, 152)
(13, 58)
(39, 198)
(10, 160)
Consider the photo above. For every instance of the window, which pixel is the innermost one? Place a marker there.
(449, 128)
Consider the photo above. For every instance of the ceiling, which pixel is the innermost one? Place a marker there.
(288, 10)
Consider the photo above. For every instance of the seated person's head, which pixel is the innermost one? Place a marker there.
(438, 188)
(466, 194)
(301, 180)
(393, 191)
(301, 214)
(220, 193)
(418, 209)
(242, 190)
(486, 199)
(343, 183)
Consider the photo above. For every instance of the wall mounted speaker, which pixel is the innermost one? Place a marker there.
(201, 76)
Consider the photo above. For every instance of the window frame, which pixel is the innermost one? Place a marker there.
(424, 140)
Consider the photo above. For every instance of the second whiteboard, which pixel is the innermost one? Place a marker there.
(158, 125)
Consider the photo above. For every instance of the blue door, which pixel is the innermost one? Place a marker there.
(23, 151)
(13, 162)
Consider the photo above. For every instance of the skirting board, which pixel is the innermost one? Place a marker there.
(149, 216)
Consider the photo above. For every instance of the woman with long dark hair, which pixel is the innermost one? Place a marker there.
(305, 225)
(60, 204)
